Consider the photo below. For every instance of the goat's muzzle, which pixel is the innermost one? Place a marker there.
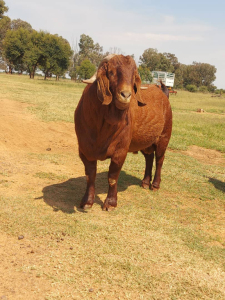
(125, 96)
(123, 99)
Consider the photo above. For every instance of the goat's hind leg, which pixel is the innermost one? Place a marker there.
(149, 158)
(159, 158)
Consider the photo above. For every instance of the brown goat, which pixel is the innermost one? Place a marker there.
(114, 117)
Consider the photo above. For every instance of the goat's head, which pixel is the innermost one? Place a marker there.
(118, 80)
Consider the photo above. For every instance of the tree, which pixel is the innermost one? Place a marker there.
(50, 52)
(63, 60)
(73, 73)
(86, 45)
(179, 76)
(14, 47)
(74, 62)
(56, 55)
(4, 26)
(89, 50)
(155, 61)
(150, 59)
(205, 73)
(18, 23)
(34, 55)
(3, 8)
(199, 74)
(173, 60)
(86, 49)
(145, 74)
(27, 49)
(165, 64)
(97, 55)
(86, 69)
(22, 48)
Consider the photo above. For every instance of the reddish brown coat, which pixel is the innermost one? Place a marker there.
(114, 117)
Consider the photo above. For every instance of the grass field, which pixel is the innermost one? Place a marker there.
(160, 245)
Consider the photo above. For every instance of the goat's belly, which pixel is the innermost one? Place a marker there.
(144, 136)
(143, 143)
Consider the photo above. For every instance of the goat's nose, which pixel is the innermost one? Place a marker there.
(125, 95)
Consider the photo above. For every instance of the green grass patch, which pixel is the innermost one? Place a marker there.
(200, 129)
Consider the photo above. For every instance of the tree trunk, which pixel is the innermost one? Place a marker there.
(32, 72)
(31, 75)
(10, 69)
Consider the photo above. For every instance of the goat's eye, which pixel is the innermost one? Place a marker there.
(111, 74)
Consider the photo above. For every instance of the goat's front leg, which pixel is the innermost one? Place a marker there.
(113, 176)
(90, 172)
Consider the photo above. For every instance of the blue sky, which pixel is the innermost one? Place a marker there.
(192, 30)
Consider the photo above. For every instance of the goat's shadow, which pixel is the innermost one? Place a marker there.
(219, 185)
(67, 195)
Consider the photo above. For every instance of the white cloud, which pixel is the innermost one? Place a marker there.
(169, 19)
(162, 37)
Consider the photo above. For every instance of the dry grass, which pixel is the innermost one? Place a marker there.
(164, 245)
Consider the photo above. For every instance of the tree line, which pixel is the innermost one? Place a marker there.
(24, 49)
(197, 74)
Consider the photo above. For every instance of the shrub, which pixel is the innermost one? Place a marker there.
(86, 69)
(203, 89)
(212, 88)
(219, 91)
(191, 88)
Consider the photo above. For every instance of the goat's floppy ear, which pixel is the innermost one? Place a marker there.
(137, 88)
(103, 92)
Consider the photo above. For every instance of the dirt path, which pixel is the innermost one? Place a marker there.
(23, 132)
(23, 138)
(207, 156)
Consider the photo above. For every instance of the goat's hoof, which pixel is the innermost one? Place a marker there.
(108, 208)
(109, 205)
(87, 201)
(86, 206)
(144, 185)
(154, 188)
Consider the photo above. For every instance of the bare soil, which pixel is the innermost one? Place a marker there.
(22, 138)
(207, 156)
